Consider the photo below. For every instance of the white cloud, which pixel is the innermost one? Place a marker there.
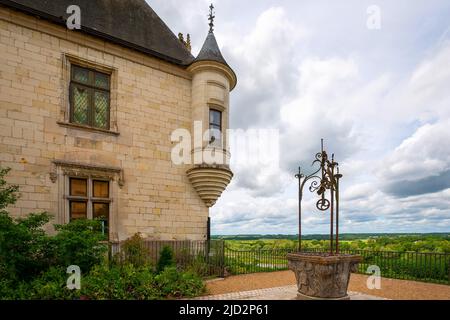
(313, 70)
(424, 154)
(318, 111)
(359, 118)
(263, 60)
(428, 88)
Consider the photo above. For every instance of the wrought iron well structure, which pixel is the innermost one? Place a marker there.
(325, 182)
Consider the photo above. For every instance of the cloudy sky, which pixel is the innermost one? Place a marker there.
(380, 97)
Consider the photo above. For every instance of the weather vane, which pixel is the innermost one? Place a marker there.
(211, 18)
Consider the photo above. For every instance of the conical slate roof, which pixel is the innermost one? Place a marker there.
(210, 50)
(130, 23)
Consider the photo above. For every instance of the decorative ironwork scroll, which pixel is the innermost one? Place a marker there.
(325, 182)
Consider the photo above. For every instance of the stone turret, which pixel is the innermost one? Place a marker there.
(212, 81)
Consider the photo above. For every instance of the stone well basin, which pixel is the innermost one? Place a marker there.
(321, 275)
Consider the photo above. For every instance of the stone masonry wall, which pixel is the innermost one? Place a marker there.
(153, 99)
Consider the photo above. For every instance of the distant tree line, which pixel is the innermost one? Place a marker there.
(438, 243)
(344, 236)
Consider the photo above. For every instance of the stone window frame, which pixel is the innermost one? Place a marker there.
(89, 199)
(225, 139)
(64, 117)
(64, 170)
(217, 143)
(92, 89)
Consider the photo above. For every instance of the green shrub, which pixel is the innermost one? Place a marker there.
(26, 251)
(174, 284)
(199, 266)
(24, 247)
(166, 259)
(51, 285)
(133, 252)
(33, 264)
(126, 282)
(29, 255)
(8, 193)
(116, 282)
(14, 291)
(79, 243)
(7, 290)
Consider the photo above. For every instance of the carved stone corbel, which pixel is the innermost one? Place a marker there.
(121, 181)
(53, 173)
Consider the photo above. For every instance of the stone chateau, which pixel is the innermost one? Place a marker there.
(87, 116)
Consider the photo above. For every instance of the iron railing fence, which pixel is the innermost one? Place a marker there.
(426, 267)
(254, 261)
(417, 266)
(203, 257)
(213, 258)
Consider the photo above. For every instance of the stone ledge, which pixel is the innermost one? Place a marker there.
(324, 259)
(85, 166)
(86, 128)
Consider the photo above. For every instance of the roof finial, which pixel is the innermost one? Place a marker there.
(211, 18)
(188, 42)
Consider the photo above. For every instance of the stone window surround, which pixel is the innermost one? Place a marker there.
(64, 116)
(216, 144)
(63, 170)
(215, 105)
(89, 198)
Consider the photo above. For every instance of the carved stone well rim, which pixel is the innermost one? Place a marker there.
(324, 259)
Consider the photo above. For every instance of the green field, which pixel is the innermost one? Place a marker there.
(436, 242)
(424, 257)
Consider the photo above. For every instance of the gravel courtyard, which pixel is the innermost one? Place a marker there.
(390, 288)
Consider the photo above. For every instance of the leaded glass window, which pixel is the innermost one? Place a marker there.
(89, 98)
